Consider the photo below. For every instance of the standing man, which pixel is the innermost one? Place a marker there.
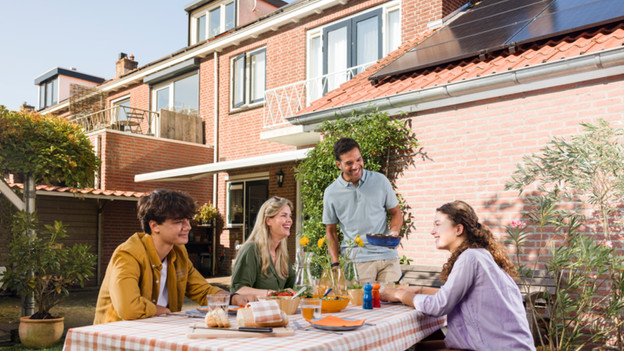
(357, 201)
(150, 273)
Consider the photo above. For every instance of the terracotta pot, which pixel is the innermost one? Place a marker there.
(37, 333)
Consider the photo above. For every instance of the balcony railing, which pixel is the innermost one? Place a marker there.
(287, 100)
(124, 118)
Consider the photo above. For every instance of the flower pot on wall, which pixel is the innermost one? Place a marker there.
(38, 333)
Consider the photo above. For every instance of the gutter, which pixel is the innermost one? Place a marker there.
(565, 71)
(305, 9)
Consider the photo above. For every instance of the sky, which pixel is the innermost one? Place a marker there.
(39, 35)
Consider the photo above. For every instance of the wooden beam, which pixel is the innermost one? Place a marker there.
(11, 195)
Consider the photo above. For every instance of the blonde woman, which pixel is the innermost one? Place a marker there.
(262, 264)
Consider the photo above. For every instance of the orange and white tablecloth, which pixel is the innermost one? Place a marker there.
(394, 327)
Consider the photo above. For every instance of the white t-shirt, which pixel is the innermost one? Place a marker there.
(163, 294)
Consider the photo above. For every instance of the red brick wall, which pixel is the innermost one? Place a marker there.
(126, 155)
(475, 148)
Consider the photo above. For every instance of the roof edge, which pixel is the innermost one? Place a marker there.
(574, 69)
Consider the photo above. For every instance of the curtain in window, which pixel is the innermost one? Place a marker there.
(315, 64)
(258, 76)
(367, 34)
(394, 30)
(239, 80)
(336, 57)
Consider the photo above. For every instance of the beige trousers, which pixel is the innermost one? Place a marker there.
(383, 271)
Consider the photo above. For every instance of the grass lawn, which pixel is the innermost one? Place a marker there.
(78, 309)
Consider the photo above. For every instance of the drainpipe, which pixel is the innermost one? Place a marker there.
(100, 242)
(215, 152)
(215, 156)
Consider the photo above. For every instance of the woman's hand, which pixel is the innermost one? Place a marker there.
(397, 295)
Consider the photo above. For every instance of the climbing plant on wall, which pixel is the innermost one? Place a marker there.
(387, 145)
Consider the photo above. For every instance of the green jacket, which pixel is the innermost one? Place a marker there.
(131, 284)
(247, 272)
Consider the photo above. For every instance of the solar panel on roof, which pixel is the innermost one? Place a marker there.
(493, 25)
(563, 16)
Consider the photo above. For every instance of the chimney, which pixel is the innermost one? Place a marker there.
(125, 64)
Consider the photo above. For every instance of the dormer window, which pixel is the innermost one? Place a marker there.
(48, 93)
(213, 21)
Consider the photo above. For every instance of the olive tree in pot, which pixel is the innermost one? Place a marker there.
(43, 149)
(43, 266)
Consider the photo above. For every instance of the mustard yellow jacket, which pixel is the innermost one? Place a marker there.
(132, 281)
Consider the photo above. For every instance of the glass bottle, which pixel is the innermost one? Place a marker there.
(350, 269)
(304, 275)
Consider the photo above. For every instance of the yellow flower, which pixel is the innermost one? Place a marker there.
(359, 241)
(321, 241)
(304, 241)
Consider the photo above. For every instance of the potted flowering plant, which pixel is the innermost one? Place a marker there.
(206, 213)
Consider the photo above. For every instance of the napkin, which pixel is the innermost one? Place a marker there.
(333, 321)
(266, 311)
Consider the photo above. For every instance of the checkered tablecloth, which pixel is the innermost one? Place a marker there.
(396, 327)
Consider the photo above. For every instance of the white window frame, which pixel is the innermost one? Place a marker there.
(116, 102)
(206, 12)
(247, 102)
(386, 27)
(169, 84)
(318, 31)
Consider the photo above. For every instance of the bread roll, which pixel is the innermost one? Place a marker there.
(244, 318)
(217, 318)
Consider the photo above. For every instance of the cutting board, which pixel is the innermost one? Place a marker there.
(199, 331)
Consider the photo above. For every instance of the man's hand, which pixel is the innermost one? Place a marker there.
(161, 310)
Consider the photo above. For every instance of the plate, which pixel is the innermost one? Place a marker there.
(335, 328)
(232, 309)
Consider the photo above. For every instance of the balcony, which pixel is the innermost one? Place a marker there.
(288, 100)
(124, 118)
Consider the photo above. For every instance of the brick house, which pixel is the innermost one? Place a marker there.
(223, 117)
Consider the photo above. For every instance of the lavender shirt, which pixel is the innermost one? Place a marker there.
(483, 306)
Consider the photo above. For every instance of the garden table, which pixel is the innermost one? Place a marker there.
(391, 327)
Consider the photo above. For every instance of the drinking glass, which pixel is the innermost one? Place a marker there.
(310, 308)
(218, 301)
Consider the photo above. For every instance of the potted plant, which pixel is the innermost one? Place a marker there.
(206, 213)
(42, 266)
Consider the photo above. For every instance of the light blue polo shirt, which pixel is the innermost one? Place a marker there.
(361, 210)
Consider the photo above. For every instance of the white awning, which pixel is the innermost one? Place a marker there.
(200, 171)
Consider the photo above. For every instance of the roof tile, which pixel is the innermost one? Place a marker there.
(361, 89)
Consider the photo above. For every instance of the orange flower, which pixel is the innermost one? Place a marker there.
(321, 241)
(304, 241)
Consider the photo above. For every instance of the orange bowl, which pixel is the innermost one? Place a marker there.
(286, 303)
(333, 304)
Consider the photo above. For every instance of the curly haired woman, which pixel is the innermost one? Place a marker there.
(482, 302)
